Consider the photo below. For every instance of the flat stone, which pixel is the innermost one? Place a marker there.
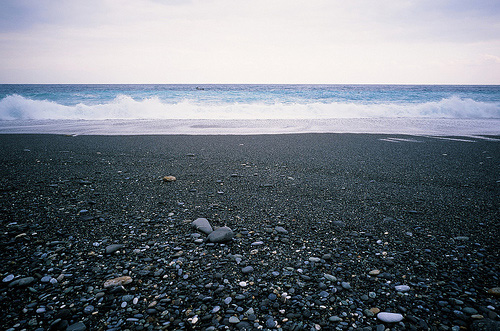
(234, 320)
(494, 291)
(221, 235)
(314, 259)
(8, 278)
(390, 317)
(202, 224)
(280, 230)
(374, 272)
(119, 281)
(79, 326)
(113, 248)
(247, 269)
(22, 282)
(402, 288)
(330, 277)
(169, 179)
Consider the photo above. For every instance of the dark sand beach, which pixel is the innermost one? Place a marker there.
(338, 229)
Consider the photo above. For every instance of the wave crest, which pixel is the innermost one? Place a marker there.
(16, 107)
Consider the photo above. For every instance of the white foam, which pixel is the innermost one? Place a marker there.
(14, 107)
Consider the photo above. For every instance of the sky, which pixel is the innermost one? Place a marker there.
(250, 41)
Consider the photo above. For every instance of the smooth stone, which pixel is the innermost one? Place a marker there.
(79, 326)
(470, 311)
(314, 259)
(330, 277)
(402, 288)
(271, 323)
(221, 235)
(375, 272)
(89, 309)
(494, 291)
(45, 279)
(228, 300)
(113, 248)
(202, 224)
(390, 317)
(234, 320)
(257, 243)
(247, 269)
(334, 319)
(345, 285)
(119, 281)
(169, 179)
(280, 230)
(22, 282)
(8, 278)
(461, 238)
(41, 310)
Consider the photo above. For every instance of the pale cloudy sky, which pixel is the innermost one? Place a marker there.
(250, 41)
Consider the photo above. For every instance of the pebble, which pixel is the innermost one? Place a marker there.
(169, 179)
(280, 230)
(390, 317)
(119, 281)
(374, 272)
(330, 277)
(8, 278)
(113, 248)
(495, 291)
(221, 235)
(314, 259)
(402, 288)
(202, 225)
(79, 326)
(234, 320)
(247, 269)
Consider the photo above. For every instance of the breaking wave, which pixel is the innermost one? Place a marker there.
(16, 107)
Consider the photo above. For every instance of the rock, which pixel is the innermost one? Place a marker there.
(234, 320)
(79, 326)
(281, 230)
(247, 269)
(202, 224)
(494, 291)
(113, 248)
(168, 179)
(270, 323)
(374, 272)
(402, 288)
(461, 238)
(390, 317)
(346, 285)
(330, 277)
(314, 259)
(22, 282)
(119, 281)
(221, 235)
(8, 278)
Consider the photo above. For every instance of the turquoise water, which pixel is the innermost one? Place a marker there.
(250, 109)
(246, 101)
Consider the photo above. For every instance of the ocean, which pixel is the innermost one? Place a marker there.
(250, 109)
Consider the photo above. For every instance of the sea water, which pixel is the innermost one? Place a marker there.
(250, 109)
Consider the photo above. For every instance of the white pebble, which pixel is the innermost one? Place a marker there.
(390, 317)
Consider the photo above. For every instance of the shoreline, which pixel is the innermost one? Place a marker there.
(410, 126)
(373, 223)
